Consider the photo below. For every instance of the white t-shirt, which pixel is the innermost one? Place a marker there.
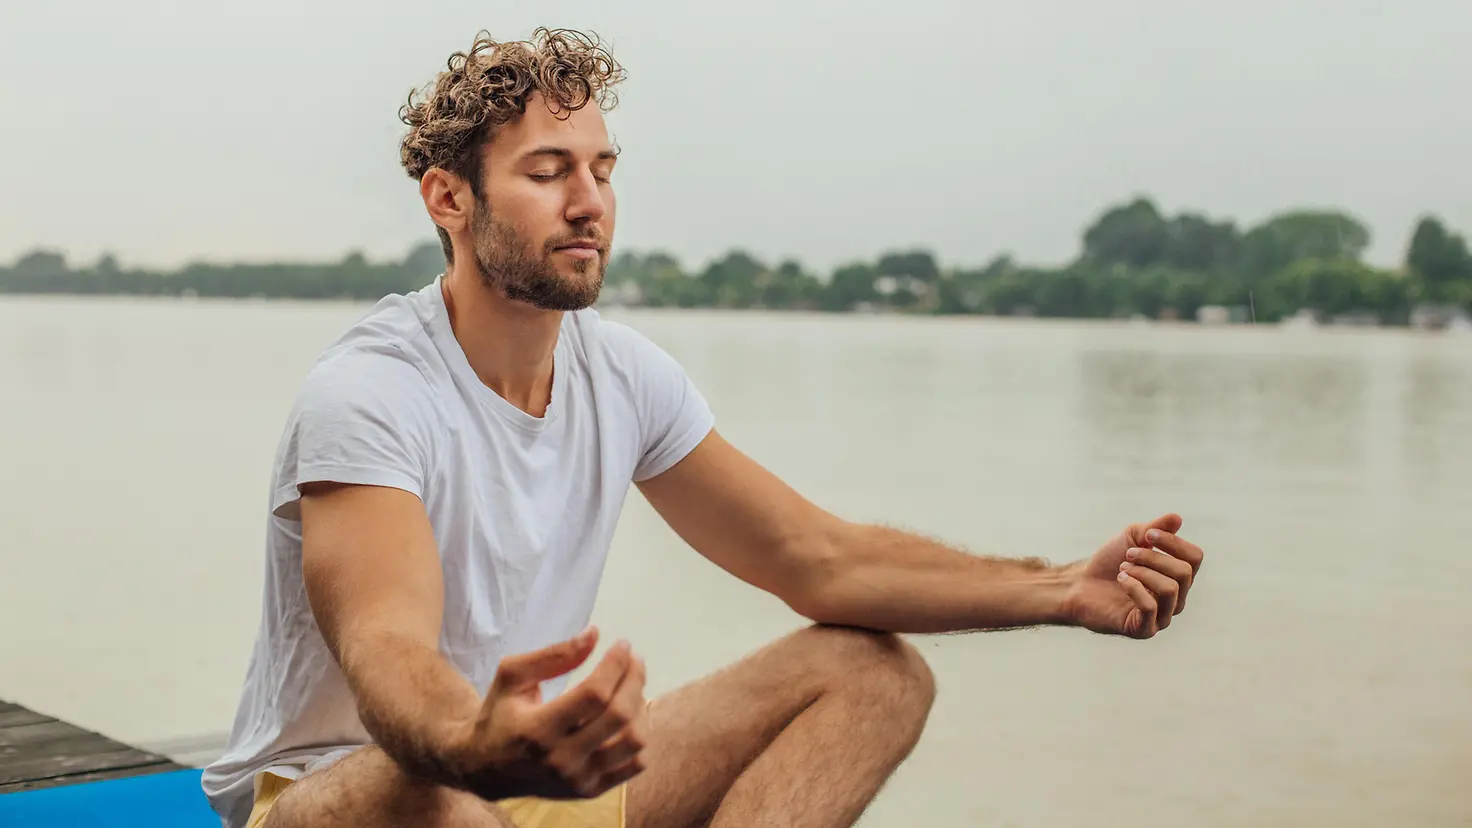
(523, 508)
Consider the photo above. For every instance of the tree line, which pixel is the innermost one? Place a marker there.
(1133, 260)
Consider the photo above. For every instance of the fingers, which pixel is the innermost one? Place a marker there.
(607, 745)
(547, 663)
(1163, 589)
(610, 727)
(1141, 623)
(1160, 562)
(1169, 522)
(625, 747)
(585, 702)
(1178, 547)
(1172, 568)
(623, 773)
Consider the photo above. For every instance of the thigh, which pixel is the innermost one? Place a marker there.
(703, 735)
(367, 789)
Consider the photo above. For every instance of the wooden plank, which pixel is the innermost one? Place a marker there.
(38, 733)
(90, 776)
(38, 751)
(17, 718)
(70, 744)
(12, 715)
(46, 767)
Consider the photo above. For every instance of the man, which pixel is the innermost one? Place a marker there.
(445, 493)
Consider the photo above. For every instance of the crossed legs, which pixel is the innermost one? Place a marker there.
(802, 733)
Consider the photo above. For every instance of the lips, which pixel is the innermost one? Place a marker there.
(584, 250)
(580, 242)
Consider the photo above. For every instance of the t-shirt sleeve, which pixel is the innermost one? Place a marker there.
(362, 420)
(673, 415)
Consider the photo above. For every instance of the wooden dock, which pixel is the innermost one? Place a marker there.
(39, 751)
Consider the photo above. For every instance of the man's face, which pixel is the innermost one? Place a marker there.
(543, 231)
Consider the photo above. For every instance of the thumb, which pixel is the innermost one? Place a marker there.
(537, 666)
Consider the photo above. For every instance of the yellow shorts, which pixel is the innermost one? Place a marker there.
(604, 811)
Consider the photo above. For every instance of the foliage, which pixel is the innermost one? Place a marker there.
(1134, 260)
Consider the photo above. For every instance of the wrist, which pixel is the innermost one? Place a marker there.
(1067, 576)
(1054, 594)
(457, 746)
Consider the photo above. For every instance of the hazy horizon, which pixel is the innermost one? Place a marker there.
(828, 132)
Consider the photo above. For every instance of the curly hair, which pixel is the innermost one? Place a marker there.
(451, 119)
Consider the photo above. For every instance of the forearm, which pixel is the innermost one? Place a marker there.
(412, 701)
(884, 579)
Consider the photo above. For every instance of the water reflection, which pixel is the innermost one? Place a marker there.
(1436, 404)
(1270, 416)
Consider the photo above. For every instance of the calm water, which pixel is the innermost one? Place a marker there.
(1323, 674)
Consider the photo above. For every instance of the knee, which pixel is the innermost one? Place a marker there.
(882, 664)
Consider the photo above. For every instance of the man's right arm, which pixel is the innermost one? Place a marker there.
(372, 577)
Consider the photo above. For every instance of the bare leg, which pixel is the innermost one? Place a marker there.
(802, 734)
(366, 789)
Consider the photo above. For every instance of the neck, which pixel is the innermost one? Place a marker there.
(508, 344)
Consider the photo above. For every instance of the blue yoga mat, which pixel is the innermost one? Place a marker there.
(158, 800)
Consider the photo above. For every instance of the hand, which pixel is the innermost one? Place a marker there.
(1137, 581)
(582, 743)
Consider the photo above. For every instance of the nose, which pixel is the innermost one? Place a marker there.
(585, 200)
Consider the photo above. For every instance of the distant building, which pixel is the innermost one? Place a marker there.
(888, 286)
(626, 294)
(1358, 319)
(1213, 315)
(1304, 318)
(1223, 314)
(1439, 317)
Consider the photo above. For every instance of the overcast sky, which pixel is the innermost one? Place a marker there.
(170, 130)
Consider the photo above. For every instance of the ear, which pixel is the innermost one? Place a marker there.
(447, 199)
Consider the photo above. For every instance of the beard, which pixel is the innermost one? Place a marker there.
(511, 264)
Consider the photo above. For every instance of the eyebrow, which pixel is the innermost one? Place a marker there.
(566, 154)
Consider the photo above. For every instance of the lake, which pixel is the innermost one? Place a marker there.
(1321, 675)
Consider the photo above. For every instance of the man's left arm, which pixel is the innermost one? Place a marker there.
(749, 522)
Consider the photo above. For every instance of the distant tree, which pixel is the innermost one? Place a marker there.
(41, 264)
(1333, 286)
(849, 286)
(425, 261)
(1296, 236)
(789, 286)
(1194, 242)
(913, 264)
(1439, 261)
(732, 279)
(1130, 234)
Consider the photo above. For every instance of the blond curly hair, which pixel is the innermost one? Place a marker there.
(451, 119)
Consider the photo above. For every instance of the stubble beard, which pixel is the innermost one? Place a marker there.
(507, 265)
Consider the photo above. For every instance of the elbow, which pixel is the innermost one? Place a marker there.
(819, 569)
